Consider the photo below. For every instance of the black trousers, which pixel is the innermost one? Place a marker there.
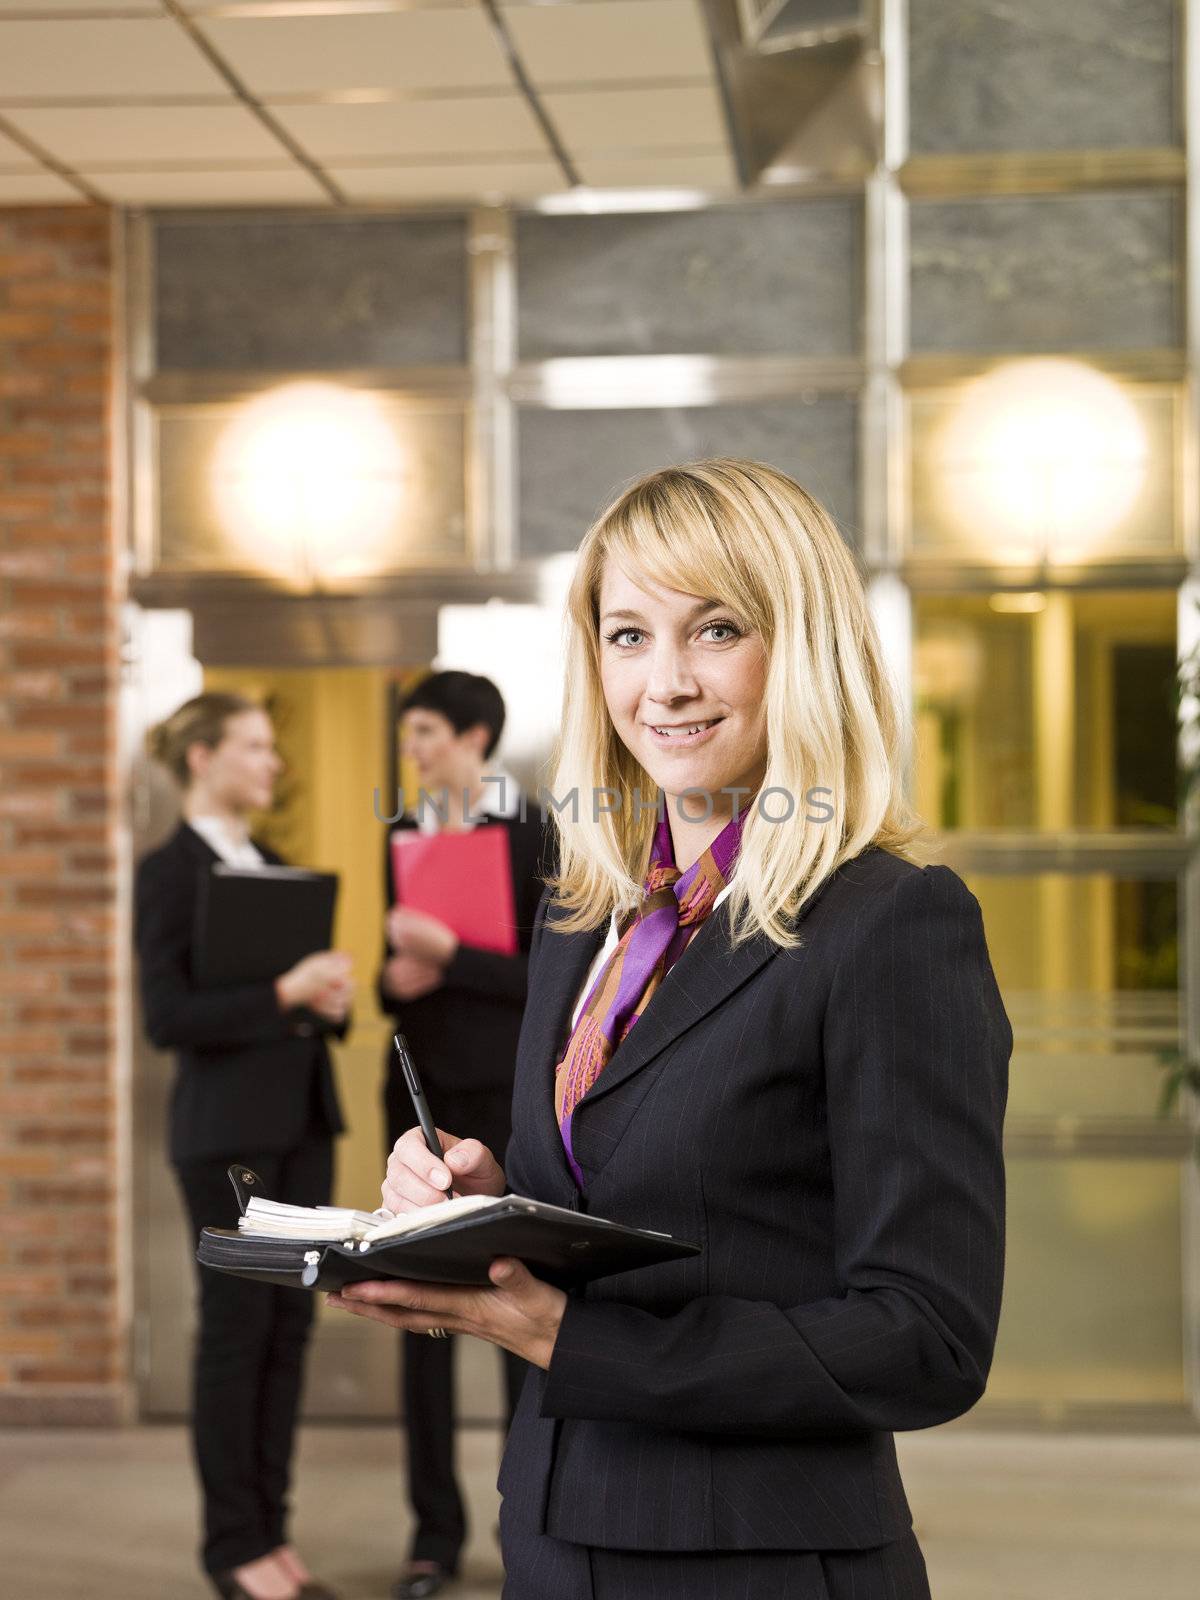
(537, 1567)
(427, 1368)
(427, 1365)
(249, 1362)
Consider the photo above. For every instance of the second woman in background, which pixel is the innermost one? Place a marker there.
(461, 1009)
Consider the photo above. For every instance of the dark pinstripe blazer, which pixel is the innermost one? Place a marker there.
(826, 1123)
(250, 1078)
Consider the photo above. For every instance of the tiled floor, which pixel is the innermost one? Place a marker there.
(110, 1516)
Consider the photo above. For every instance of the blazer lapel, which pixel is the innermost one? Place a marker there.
(196, 845)
(562, 965)
(705, 975)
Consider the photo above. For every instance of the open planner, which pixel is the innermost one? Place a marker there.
(453, 1241)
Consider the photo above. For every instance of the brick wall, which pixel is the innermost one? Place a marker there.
(62, 1341)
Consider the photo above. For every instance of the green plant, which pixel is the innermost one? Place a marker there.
(1180, 1072)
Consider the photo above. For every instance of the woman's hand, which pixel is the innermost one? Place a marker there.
(314, 977)
(333, 1003)
(520, 1313)
(415, 1176)
(413, 933)
(409, 978)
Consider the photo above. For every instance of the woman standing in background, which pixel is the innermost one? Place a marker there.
(253, 1084)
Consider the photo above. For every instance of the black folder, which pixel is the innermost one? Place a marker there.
(252, 923)
(564, 1247)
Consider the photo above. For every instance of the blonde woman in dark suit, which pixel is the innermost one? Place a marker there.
(253, 1083)
(755, 1023)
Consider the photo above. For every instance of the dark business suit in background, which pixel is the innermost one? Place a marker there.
(826, 1124)
(253, 1084)
(463, 1037)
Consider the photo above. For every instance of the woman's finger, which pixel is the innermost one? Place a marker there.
(395, 1202)
(431, 1300)
(404, 1182)
(468, 1158)
(513, 1276)
(391, 1316)
(410, 1150)
(412, 1161)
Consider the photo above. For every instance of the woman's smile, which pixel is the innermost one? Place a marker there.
(683, 735)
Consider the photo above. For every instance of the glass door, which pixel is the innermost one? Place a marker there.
(1046, 759)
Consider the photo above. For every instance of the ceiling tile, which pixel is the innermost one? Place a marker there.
(319, 7)
(479, 181)
(13, 155)
(622, 40)
(35, 189)
(416, 127)
(656, 171)
(162, 133)
(620, 120)
(51, 8)
(165, 187)
(400, 50)
(58, 60)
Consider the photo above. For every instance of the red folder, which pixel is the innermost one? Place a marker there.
(463, 879)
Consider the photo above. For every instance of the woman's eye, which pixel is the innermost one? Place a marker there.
(623, 636)
(726, 630)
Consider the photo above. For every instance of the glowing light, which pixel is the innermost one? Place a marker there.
(584, 199)
(1017, 605)
(607, 381)
(310, 476)
(1043, 459)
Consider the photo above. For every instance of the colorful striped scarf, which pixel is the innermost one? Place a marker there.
(675, 904)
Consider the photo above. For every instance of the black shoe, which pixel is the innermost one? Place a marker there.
(228, 1587)
(420, 1585)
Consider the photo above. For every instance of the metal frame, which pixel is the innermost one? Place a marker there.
(1190, 468)
(492, 340)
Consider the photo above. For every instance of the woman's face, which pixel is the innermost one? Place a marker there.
(239, 773)
(684, 679)
(443, 758)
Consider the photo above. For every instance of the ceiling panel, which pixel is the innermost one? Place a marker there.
(137, 133)
(321, 7)
(657, 171)
(637, 119)
(35, 188)
(166, 187)
(51, 8)
(416, 127)
(58, 60)
(479, 181)
(622, 40)
(13, 155)
(403, 50)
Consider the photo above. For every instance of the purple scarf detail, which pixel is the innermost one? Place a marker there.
(674, 906)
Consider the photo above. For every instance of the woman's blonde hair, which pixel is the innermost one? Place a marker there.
(748, 535)
(201, 720)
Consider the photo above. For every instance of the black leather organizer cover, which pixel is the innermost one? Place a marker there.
(564, 1247)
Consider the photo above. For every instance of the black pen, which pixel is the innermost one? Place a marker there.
(420, 1104)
